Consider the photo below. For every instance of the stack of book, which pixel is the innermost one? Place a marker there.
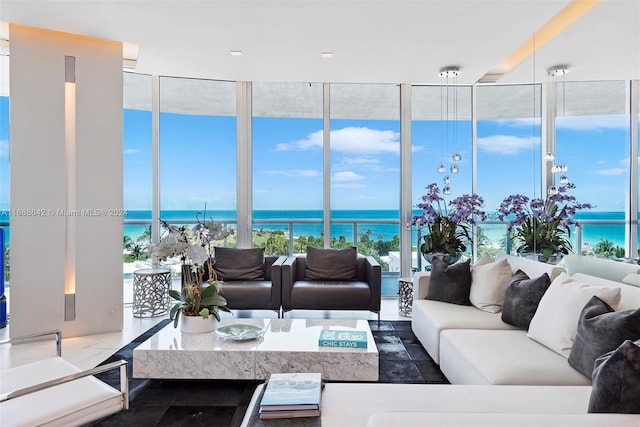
(292, 395)
(347, 339)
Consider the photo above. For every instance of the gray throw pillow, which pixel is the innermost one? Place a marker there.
(601, 329)
(331, 264)
(522, 297)
(616, 381)
(239, 264)
(450, 283)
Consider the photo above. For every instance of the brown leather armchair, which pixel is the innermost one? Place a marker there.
(251, 281)
(319, 289)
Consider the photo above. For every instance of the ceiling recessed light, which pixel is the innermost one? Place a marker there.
(326, 55)
(236, 53)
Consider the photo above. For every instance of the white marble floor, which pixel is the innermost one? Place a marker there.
(88, 351)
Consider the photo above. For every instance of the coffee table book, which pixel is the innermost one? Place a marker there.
(339, 338)
(289, 395)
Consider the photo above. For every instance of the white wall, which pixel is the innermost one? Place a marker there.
(37, 164)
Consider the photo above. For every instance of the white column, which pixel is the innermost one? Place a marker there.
(39, 183)
(406, 203)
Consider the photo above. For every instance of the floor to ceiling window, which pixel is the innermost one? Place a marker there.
(4, 165)
(440, 129)
(198, 150)
(592, 140)
(508, 153)
(287, 137)
(365, 170)
(4, 181)
(137, 169)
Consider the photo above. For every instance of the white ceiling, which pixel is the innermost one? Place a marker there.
(399, 41)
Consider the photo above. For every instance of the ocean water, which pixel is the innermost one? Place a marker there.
(591, 233)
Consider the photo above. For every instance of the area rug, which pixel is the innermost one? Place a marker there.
(224, 402)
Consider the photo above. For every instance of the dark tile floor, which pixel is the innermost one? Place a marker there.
(223, 403)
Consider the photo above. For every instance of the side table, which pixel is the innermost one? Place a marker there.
(151, 292)
(405, 296)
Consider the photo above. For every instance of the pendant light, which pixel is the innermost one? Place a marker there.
(448, 75)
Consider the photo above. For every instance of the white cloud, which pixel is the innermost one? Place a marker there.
(518, 123)
(131, 151)
(4, 148)
(350, 185)
(507, 144)
(346, 176)
(360, 140)
(355, 162)
(611, 172)
(312, 141)
(304, 173)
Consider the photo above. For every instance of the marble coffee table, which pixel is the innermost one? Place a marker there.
(288, 345)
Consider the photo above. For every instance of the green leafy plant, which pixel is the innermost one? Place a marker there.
(198, 301)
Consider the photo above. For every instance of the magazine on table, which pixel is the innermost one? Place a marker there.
(289, 395)
(339, 338)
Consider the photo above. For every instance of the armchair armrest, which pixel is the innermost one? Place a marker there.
(374, 278)
(276, 279)
(421, 284)
(31, 337)
(288, 274)
(124, 381)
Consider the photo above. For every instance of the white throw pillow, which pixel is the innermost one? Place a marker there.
(556, 320)
(488, 284)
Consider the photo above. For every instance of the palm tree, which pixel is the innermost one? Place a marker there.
(146, 235)
(127, 242)
(604, 247)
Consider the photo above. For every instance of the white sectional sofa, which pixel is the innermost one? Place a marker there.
(475, 347)
(499, 376)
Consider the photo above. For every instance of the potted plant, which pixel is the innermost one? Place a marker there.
(541, 228)
(449, 228)
(199, 297)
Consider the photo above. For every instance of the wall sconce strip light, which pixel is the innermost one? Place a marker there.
(70, 187)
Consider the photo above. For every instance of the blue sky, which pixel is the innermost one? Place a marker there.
(198, 160)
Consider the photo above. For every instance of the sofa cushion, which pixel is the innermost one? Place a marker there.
(488, 283)
(450, 283)
(599, 267)
(629, 295)
(632, 279)
(601, 329)
(331, 264)
(502, 358)
(556, 320)
(492, 419)
(72, 403)
(239, 264)
(351, 404)
(616, 380)
(430, 318)
(532, 268)
(522, 297)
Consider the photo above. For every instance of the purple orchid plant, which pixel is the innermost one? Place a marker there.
(542, 225)
(449, 227)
